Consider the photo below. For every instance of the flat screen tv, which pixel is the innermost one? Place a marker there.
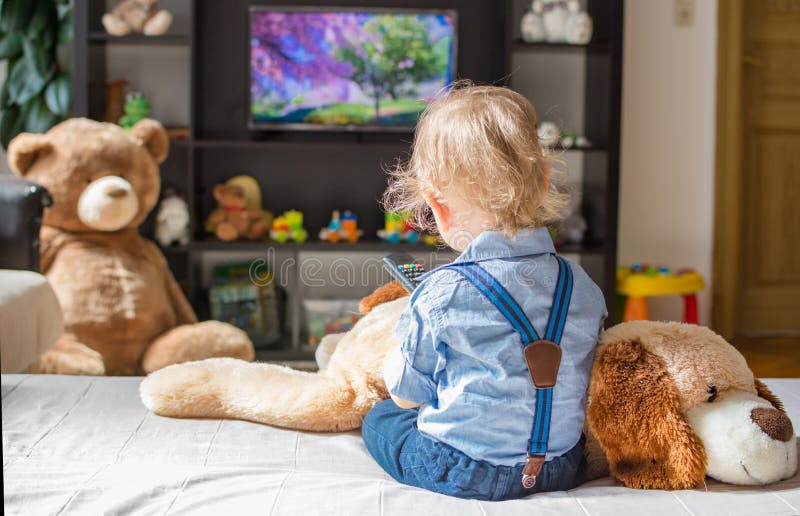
(347, 69)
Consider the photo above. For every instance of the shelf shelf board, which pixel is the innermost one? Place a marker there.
(285, 355)
(365, 246)
(590, 148)
(139, 39)
(219, 245)
(598, 47)
(297, 144)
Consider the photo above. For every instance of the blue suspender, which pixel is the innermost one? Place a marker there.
(501, 299)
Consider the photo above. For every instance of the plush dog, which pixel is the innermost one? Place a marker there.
(670, 403)
(124, 313)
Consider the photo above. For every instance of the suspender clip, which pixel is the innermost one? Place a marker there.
(533, 465)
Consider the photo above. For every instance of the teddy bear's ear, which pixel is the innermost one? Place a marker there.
(764, 392)
(153, 137)
(25, 149)
(383, 294)
(634, 412)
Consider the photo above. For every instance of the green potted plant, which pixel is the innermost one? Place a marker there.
(37, 92)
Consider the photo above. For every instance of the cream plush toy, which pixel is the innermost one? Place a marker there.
(670, 402)
(137, 16)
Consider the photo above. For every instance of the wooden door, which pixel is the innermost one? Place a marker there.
(761, 293)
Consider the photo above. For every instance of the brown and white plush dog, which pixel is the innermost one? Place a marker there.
(670, 403)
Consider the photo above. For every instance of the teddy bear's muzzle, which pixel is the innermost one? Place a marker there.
(108, 204)
(773, 422)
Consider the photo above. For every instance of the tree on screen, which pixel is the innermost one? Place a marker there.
(392, 55)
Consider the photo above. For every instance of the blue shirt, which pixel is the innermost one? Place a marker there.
(461, 358)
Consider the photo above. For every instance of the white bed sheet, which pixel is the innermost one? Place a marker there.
(84, 445)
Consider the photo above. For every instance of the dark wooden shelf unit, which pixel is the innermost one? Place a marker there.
(139, 39)
(318, 171)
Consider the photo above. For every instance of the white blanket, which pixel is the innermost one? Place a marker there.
(83, 445)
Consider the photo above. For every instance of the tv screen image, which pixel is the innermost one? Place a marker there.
(316, 68)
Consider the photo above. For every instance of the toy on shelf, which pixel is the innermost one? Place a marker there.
(172, 220)
(572, 229)
(289, 226)
(137, 107)
(399, 227)
(341, 227)
(137, 16)
(556, 21)
(239, 215)
(549, 134)
(640, 281)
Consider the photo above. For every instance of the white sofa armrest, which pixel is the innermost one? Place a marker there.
(30, 319)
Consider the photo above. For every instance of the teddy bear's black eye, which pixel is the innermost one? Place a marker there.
(712, 393)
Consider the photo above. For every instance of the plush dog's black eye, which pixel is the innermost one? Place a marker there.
(712, 393)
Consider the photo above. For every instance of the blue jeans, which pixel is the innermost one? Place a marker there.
(412, 458)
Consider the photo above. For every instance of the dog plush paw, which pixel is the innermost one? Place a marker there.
(191, 389)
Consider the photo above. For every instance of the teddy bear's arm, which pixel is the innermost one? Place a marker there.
(183, 310)
(50, 242)
(184, 314)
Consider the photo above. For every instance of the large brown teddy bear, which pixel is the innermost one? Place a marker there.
(670, 402)
(124, 313)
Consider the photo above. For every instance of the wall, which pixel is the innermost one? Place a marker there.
(667, 156)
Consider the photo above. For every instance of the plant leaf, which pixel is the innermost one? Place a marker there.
(10, 124)
(5, 97)
(44, 13)
(58, 94)
(15, 14)
(24, 82)
(10, 45)
(65, 28)
(37, 118)
(41, 57)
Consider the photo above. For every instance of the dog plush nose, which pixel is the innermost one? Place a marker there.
(773, 422)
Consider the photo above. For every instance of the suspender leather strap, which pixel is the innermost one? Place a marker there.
(543, 356)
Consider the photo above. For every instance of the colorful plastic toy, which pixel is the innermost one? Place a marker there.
(640, 281)
(398, 227)
(341, 227)
(289, 226)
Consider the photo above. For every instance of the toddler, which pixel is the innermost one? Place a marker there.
(467, 416)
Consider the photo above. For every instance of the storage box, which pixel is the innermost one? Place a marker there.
(324, 316)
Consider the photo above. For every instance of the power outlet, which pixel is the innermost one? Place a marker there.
(684, 13)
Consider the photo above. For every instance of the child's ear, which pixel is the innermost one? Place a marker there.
(440, 212)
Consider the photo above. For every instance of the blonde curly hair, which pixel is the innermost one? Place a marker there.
(479, 143)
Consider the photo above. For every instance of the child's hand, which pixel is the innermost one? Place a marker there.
(400, 402)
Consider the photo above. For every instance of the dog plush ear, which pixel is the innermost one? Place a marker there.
(764, 392)
(634, 412)
(384, 294)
